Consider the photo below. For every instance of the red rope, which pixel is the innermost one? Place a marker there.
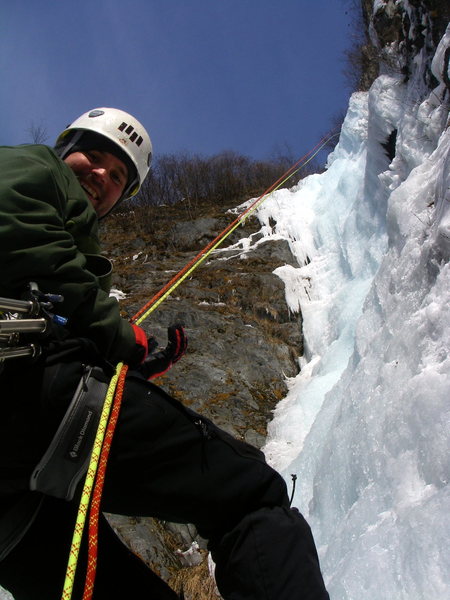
(98, 489)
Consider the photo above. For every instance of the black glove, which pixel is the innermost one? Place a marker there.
(158, 363)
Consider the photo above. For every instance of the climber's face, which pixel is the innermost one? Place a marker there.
(102, 176)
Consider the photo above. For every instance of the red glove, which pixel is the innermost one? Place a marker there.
(160, 362)
(141, 350)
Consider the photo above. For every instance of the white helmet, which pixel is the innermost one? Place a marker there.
(120, 128)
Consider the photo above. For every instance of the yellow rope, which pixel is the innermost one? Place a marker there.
(241, 220)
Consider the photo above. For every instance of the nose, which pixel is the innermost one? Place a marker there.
(100, 169)
(100, 173)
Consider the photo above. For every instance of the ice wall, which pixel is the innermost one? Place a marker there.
(365, 425)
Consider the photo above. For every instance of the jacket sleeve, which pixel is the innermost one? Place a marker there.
(47, 226)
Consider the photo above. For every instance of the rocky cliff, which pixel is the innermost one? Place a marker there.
(243, 340)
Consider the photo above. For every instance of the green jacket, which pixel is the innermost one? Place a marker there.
(49, 234)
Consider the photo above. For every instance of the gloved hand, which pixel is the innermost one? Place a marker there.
(158, 363)
(141, 350)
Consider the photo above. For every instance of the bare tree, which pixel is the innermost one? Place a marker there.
(219, 179)
(38, 133)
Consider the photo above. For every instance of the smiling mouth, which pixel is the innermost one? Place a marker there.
(90, 191)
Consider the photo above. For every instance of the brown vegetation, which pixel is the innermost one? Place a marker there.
(223, 178)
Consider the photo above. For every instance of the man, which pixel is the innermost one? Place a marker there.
(166, 461)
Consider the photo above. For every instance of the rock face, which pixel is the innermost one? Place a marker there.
(243, 340)
(399, 30)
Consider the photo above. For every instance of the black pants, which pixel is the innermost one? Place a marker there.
(36, 568)
(170, 463)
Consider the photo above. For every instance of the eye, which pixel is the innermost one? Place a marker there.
(93, 155)
(118, 178)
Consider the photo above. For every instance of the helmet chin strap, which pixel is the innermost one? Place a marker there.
(73, 140)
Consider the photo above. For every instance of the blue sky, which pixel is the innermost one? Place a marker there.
(204, 76)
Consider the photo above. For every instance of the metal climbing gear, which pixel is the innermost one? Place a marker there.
(25, 323)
